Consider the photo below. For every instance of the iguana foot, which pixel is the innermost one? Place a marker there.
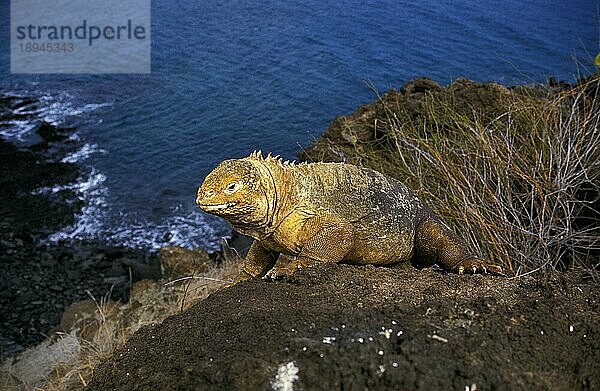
(243, 276)
(475, 265)
(278, 274)
(436, 243)
(286, 266)
(282, 273)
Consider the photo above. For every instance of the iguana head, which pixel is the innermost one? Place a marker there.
(236, 191)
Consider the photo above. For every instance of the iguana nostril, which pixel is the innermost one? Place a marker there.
(203, 194)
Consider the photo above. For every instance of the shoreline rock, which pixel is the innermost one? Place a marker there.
(93, 328)
(366, 327)
(358, 327)
(40, 281)
(326, 327)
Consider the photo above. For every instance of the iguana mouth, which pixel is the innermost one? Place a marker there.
(211, 207)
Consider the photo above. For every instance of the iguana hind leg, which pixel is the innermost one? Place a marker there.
(436, 243)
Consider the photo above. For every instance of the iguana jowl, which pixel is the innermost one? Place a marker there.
(328, 212)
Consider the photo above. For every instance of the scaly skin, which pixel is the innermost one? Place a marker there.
(328, 212)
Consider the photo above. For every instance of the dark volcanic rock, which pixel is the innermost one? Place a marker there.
(52, 133)
(40, 281)
(33, 276)
(355, 328)
(22, 210)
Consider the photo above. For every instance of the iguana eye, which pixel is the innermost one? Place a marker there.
(232, 187)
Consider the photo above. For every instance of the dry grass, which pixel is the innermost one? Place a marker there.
(521, 187)
(151, 302)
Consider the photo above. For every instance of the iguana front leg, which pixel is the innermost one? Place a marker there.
(325, 239)
(258, 261)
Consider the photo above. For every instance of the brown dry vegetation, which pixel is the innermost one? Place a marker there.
(156, 302)
(111, 323)
(515, 171)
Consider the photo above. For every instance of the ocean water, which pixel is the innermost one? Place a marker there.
(229, 77)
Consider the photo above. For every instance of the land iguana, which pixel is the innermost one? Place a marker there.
(328, 212)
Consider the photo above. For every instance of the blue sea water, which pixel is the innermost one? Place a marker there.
(229, 77)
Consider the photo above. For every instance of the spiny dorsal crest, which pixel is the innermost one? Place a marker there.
(257, 155)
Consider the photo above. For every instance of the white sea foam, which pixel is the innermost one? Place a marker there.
(16, 129)
(84, 185)
(97, 220)
(89, 221)
(83, 153)
(189, 230)
(56, 109)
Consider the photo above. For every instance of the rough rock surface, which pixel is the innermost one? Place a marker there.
(40, 280)
(178, 261)
(365, 327)
(349, 137)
